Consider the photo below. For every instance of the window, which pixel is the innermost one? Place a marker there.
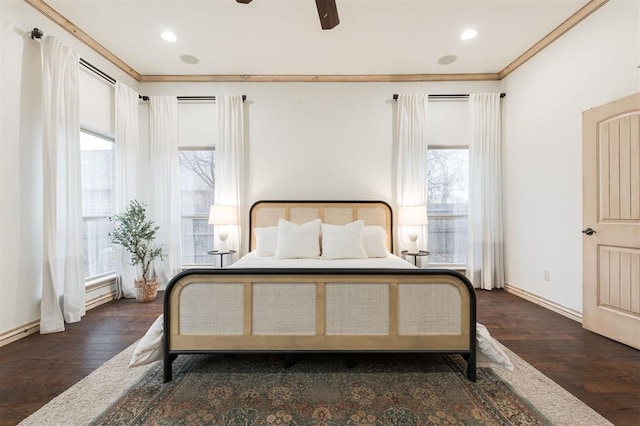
(196, 194)
(448, 197)
(97, 157)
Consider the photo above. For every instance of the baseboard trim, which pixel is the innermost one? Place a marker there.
(100, 300)
(19, 332)
(33, 327)
(541, 301)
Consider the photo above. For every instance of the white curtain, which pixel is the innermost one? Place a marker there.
(485, 258)
(163, 190)
(63, 270)
(229, 162)
(127, 167)
(411, 167)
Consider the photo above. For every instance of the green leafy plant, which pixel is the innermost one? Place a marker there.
(133, 231)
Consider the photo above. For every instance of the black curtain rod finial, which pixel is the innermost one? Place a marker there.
(36, 33)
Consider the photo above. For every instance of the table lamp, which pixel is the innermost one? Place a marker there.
(413, 216)
(223, 215)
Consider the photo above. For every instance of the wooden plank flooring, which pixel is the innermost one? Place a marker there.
(602, 373)
(39, 367)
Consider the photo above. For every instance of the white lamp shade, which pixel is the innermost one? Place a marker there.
(412, 215)
(223, 215)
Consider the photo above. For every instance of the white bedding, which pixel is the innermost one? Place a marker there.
(251, 260)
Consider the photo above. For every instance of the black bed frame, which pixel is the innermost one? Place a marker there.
(469, 355)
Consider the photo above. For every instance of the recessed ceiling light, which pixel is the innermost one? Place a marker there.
(168, 36)
(468, 34)
(447, 59)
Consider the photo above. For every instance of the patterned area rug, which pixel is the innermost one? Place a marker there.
(320, 390)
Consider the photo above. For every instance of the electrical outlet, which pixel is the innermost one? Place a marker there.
(547, 275)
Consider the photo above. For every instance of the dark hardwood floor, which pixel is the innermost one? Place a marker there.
(39, 367)
(602, 373)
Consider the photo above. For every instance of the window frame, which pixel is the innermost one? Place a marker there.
(210, 263)
(431, 216)
(99, 280)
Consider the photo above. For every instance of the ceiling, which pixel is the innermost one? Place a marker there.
(283, 37)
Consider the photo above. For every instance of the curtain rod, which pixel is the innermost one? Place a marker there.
(97, 71)
(454, 96)
(36, 34)
(192, 98)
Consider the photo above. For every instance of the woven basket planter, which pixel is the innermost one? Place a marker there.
(146, 292)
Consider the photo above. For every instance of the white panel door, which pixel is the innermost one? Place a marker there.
(611, 216)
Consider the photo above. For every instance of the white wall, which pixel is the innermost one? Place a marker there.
(594, 63)
(20, 159)
(325, 140)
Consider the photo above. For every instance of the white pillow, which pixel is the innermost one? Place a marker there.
(374, 239)
(489, 353)
(298, 241)
(266, 240)
(343, 241)
(149, 349)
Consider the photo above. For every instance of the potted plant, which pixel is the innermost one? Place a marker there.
(133, 231)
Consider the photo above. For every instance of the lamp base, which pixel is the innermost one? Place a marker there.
(413, 243)
(223, 247)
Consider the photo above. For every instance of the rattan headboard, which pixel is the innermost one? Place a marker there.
(267, 213)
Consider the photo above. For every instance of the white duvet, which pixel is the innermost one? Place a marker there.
(251, 260)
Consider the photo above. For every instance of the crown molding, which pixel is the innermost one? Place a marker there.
(560, 30)
(308, 78)
(56, 17)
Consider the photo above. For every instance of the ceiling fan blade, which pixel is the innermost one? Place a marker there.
(328, 13)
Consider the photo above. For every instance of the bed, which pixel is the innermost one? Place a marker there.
(329, 303)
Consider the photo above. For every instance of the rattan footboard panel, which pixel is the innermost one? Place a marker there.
(323, 310)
